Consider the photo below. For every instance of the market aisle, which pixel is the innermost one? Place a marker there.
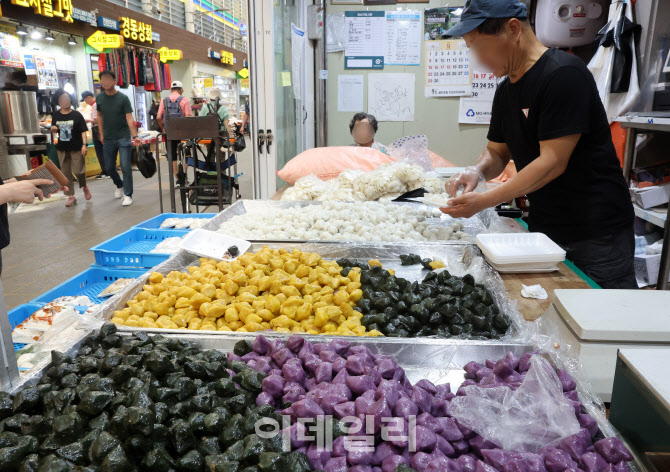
(51, 245)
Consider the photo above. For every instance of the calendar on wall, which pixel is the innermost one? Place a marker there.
(448, 69)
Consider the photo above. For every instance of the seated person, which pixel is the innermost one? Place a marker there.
(363, 128)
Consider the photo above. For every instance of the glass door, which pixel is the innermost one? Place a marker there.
(282, 77)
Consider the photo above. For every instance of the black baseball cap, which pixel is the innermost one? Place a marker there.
(85, 95)
(476, 12)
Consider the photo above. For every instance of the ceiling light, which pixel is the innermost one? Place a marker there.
(36, 34)
(71, 40)
(49, 36)
(21, 30)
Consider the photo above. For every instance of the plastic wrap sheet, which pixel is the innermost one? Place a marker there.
(492, 223)
(412, 150)
(459, 260)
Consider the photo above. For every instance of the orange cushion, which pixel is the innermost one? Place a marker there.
(328, 162)
(438, 161)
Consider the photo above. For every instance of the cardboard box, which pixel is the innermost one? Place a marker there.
(651, 196)
(647, 267)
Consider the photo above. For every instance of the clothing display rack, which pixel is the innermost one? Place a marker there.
(137, 66)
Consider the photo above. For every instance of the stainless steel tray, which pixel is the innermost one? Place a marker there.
(420, 360)
(472, 226)
(459, 259)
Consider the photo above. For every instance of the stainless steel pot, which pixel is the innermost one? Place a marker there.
(18, 113)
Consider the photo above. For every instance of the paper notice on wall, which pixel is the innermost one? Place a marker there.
(350, 93)
(297, 51)
(391, 96)
(448, 71)
(477, 108)
(365, 39)
(402, 38)
(47, 75)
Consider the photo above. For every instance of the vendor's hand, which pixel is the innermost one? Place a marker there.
(468, 179)
(467, 205)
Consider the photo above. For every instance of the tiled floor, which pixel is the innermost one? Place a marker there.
(51, 245)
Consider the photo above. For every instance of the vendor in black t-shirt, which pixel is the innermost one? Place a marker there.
(547, 115)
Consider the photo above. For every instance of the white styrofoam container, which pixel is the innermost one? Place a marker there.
(597, 323)
(519, 248)
(447, 172)
(525, 268)
(205, 243)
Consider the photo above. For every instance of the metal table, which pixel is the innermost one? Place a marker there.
(633, 125)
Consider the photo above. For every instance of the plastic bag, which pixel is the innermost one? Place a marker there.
(412, 150)
(336, 32)
(527, 419)
(146, 162)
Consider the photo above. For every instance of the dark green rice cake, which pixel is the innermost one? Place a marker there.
(440, 305)
(139, 403)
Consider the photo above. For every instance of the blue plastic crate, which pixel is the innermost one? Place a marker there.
(90, 283)
(21, 313)
(155, 222)
(133, 248)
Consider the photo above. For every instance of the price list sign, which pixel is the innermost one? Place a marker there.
(448, 69)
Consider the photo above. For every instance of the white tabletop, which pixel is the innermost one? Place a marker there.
(640, 316)
(651, 365)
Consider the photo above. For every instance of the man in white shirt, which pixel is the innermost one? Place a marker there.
(88, 98)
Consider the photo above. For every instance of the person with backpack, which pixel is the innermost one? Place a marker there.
(215, 107)
(174, 106)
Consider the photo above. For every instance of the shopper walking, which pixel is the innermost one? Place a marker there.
(71, 146)
(547, 116)
(174, 106)
(118, 134)
(88, 98)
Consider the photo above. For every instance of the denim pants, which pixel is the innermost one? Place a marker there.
(123, 147)
(99, 152)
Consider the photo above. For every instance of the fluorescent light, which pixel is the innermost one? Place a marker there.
(71, 40)
(21, 30)
(49, 36)
(36, 34)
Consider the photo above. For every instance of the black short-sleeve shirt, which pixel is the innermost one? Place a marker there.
(558, 97)
(70, 129)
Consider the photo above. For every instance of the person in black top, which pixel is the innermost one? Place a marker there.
(547, 115)
(71, 146)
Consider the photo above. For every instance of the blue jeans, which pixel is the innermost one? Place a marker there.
(123, 147)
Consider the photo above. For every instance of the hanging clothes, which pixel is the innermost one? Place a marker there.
(169, 75)
(148, 68)
(141, 75)
(157, 67)
(102, 62)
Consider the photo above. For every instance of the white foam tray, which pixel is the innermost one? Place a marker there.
(205, 243)
(525, 268)
(520, 248)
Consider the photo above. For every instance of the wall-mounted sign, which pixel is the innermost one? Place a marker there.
(47, 76)
(243, 74)
(49, 8)
(227, 58)
(136, 30)
(84, 16)
(104, 22)
(170, 54)
(29, 62)
(96, 76)
(215, 55)
(10, 48)
(101, 41)
(244, 29)
(156, 37)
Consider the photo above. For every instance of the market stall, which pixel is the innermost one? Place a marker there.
(391, 329)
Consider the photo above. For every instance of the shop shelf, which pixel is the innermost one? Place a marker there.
(90, 283)
(653, 217)
(155, 222)
(133, 248)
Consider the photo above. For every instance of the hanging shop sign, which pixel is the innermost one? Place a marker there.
(243, 73)
(104, 22)
(215, 55)
(227, 58)
(170, 54)
(29, 63)
(10, 49)
(244, 29)
(101, 41)
(49, 8)
(84, 16)
(136, 30)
